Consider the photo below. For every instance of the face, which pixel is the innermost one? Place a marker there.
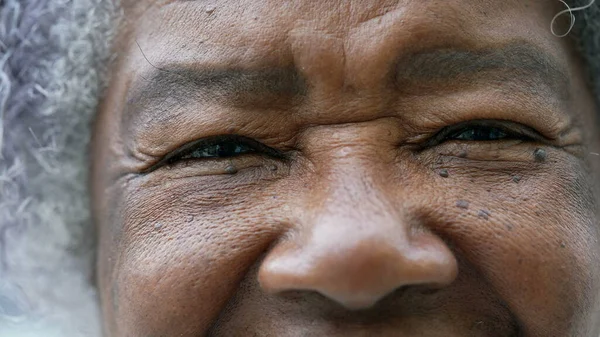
(330, 168)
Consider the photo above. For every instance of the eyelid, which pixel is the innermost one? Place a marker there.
(188, 148)
(513, 129)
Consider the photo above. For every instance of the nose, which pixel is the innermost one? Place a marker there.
(357, 248)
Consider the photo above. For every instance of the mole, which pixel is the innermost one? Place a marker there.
(483, 214)
(540, 155)
(462, 204)
(230, 169)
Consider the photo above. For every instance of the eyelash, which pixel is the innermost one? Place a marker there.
(228, 146)
(503, 130)
(216, 147)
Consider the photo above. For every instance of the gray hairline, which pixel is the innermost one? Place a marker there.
(66, 55)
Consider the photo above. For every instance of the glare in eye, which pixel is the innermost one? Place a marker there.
(480, 133)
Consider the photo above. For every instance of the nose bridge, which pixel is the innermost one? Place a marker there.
(355, 178)
(351, 194)
(352, 204)
(354, 242)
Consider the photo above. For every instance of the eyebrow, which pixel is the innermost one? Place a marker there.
(518, 66)
(521, 65)
(164, 88)
(216, 83)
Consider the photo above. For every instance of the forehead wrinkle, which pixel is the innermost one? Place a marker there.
(488, 63)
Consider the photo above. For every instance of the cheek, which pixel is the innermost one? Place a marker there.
(185, 249)
(186, 244)
(535, 241)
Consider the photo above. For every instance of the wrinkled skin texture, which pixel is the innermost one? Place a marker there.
(357, 217)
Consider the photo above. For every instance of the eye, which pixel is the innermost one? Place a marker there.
(219, 149)
(485, 130)
(479, 133)
(227, 146)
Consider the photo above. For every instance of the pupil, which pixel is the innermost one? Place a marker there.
(482, 134)
(227, 149)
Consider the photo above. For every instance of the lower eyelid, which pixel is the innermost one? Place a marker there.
(214, 166)
(501, 150)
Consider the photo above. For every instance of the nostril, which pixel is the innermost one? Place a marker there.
(427, 291)
(324, 305)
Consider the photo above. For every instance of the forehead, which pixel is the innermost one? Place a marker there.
(280, 33)
(340, 48)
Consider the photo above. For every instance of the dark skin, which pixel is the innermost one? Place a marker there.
(347, 168)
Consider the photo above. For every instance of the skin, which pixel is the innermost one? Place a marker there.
(359, 215)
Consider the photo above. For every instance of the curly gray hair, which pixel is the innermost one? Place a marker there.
(53, 61)
(53, 65)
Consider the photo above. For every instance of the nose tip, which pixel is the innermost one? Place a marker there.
(357, 271)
